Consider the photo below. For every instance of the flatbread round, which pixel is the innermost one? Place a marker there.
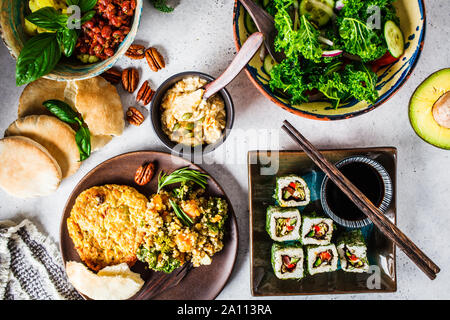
(111, 283)
(54, 135)
(99, 141)
(99, 103)
(96, 99)
(36, 93)
(27, 169)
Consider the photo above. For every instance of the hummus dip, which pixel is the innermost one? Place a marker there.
(189, 119)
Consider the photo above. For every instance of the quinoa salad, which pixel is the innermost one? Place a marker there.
(170, 241)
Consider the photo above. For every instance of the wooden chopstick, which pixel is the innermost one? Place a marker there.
(364, 204)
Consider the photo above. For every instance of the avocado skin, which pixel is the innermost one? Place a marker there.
(421, 105)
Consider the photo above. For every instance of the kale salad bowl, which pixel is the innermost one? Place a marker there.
(64, 58)
(343, 58)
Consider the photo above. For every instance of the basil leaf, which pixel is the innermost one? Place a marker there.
(48, 18)
(72, 2)
(88, 16)
(67, 39)
(86, 5)
(83, 140)
(38, 57)
(62, 111)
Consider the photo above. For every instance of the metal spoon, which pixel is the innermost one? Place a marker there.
(245, 54)
(265, 24)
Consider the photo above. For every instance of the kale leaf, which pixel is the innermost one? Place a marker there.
(360, 40)
(358, 36)
(298, 36)
(361, 82)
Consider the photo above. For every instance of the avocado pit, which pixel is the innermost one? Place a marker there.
(441, 110)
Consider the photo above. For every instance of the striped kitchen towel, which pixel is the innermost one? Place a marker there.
(31, 267)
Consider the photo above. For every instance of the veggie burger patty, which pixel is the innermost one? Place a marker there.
(104, 225)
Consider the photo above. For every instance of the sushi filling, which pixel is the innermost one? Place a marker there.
(294, 191)
(318, 231)
(353, 260)
(289, 263)
(323, 258)
(285, 226)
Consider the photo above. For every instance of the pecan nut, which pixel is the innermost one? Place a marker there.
(130, 79)
(154, 59)
(144, 174)
(134, 116)
(145, 93)
(136, 52)
(112, 75)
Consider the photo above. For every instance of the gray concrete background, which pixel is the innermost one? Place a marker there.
(198, 35)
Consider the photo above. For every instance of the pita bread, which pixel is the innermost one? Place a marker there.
(54, 135)
(99, 103)
(98, 142)
(27, 169)
(111, 283)
(96, 99)
(36, 93)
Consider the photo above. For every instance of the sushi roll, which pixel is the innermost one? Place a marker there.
(316, 230)
(353, 252)
(321, 259)
(292, 191)
(283, 224)
(287, 261)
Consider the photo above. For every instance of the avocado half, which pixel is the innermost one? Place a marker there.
(429, 109)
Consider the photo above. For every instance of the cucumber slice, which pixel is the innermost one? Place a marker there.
(269, 63)
(249, 24)
(319, 11)
(394, 39)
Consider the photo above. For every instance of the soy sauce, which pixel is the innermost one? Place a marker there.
(366, 179)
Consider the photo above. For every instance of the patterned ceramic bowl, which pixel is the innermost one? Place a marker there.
(390, 78)
(13, 34)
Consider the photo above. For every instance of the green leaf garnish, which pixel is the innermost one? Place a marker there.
(48, 18)
(67, 39)
(182, 175)
(86, 5)
(62, 111)
(38, 57)
(161, 5)
(66, 114)
(181, 214)
(83, 139)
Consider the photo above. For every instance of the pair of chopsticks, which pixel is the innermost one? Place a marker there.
(364, 204)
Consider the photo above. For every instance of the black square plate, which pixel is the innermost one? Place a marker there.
(380, 252)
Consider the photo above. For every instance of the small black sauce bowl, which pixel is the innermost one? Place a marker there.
(386, 186)
(155, 111)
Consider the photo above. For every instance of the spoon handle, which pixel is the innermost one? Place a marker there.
(245, 54)
(264, 21)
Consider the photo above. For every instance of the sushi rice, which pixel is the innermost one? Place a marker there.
(292, 191)
(353, 252)
(316, 230)
(283, 224)
(321, 259)
(287, 261)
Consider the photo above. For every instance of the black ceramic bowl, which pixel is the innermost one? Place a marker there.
(385, 198)
(155, 111)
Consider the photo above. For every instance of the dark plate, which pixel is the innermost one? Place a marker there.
(203, 283)
(381, 251)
